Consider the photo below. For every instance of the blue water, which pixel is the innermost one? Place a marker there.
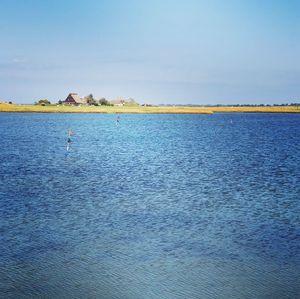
(159, 206)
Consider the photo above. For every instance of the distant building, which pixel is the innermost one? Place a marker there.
(118, 102)
(74, 99)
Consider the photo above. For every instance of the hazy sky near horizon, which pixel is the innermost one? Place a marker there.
(156, 51)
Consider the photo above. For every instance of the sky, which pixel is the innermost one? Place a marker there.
(155, 51)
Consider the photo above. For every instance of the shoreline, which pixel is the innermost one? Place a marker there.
(145, 110)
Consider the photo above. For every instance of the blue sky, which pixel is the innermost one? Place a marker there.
(156, 51)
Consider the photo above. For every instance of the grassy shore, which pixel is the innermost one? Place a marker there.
(141, 109)
(261, 109)
(101, 109)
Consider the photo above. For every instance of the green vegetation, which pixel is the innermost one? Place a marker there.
(104, 102)
(90, 100)
(43, 102)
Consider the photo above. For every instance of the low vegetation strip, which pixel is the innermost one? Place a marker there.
(258, 109)
(102, 109)
(142, 109)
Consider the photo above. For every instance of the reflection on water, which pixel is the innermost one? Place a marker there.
(160, 206)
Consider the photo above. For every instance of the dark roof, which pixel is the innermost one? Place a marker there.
(76, 98)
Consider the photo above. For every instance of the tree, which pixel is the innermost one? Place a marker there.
(104, 102)
(43, 102)
(59, 102)
(90, 100)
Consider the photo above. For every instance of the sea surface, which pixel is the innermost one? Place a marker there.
(152, 207)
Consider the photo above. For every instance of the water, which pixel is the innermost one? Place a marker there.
(159, 206)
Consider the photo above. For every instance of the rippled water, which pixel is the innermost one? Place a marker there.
(159, 206)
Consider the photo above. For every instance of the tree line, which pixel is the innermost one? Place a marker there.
(90, 100)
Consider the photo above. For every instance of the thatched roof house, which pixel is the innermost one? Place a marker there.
(74, 99)
(118, 102)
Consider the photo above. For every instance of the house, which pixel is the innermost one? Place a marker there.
(74, 99)
(118, 102)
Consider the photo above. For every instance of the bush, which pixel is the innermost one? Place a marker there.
(90, 100)
(104, 102)
(43, 102)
